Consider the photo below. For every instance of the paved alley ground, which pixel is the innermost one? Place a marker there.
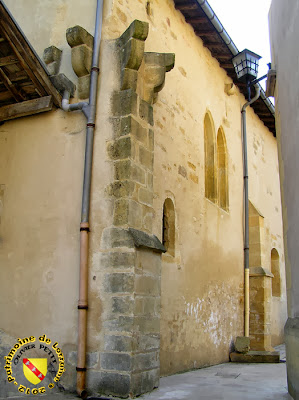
(230, 381)
(227, 382)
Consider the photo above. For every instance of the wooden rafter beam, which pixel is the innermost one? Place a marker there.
(214, 45)
(8, 60)
(262, 113)
(18, 76)
(11, 87)
(186, 6)
(205, 32)
(21, 56)
(224, 57)
(26, 108)
(267, 118)
(28, 59)
(196, 20)
(227, 65)
(5, 96)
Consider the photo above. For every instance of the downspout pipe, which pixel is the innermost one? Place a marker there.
(84, 226)
(89, 110)
(246, 211)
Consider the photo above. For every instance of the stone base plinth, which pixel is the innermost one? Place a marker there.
(260, 309)
(256, 357)
(129, 361)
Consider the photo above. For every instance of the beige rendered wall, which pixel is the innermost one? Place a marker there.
(41, 175)
(41, 160)
(202, 288)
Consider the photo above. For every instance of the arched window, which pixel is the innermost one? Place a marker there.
(209, 137)
(222, 174)
(276, 272)
(168, 234)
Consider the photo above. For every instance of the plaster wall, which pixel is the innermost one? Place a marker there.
(41, 168)
(284, 33)
(284, 30)
(41, 175)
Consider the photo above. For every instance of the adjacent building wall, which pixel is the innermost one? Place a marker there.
(41, 175)
(41, 168)
(284, 34)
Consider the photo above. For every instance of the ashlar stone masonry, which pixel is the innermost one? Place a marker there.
(131, 254)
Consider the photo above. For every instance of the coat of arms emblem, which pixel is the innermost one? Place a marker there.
(35, 369)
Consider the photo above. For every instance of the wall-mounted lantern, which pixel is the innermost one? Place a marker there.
(246, 65)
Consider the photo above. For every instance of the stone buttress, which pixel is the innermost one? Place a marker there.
(131, 254)
(260, 286)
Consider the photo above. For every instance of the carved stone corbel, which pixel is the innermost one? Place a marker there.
(81, 43)
(52, 58)
(153, 78)
(131, 48)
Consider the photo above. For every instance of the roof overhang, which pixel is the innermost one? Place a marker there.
(25, 86)
(206, 25)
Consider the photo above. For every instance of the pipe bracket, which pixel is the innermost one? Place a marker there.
(80, 369)
(82, 307)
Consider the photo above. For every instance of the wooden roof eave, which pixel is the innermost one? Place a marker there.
(203, 27)
(29, 65)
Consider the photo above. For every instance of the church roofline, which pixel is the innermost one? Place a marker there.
(206, 25)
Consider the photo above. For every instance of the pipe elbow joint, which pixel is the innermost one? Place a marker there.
(65, 103)
(66, 106)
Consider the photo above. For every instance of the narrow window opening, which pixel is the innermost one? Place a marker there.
(168, 234)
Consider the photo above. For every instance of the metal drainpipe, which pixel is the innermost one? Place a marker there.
(89, 110)
(246, 211)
